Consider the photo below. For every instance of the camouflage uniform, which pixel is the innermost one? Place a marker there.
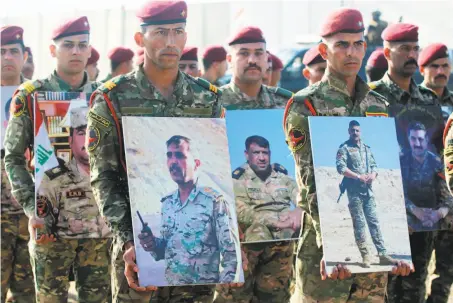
(445, 100)
(268, 97)
(362, 206)
(259, 203)
(375, 29)
(16, 271)
(269, 264)
(412, 287)
(133, 95)
(193, 256)
(329, 97)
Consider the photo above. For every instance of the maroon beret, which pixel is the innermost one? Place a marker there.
(249, 34)
(344, 20)
(120, 54)
(400, 32)
(377, 60)
(190, 53)
(28, 50)
(94, 56)
(12, 35)
(276, 62)
(312, 56)
(432, 52)
(215, 53)
(163, 12)
(72, 27)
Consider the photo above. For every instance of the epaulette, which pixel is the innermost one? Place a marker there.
(301, 95)
(378, 96)
(207, 85)
(165, 198)
(111, 84)
(209, 191)
(30, 86)
(237, 173)
(279, 168)
(282, 92)
(57, 171)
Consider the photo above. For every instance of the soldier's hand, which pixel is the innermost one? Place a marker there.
(435, 216)
(33, 224)
(147, 241)
(364, 178)
(419, 213)
(291, 219)
(371, 178)
(339, 271)
(402, 269)
(131, 269)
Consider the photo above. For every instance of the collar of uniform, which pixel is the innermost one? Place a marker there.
(398, 92)
(249, 171)
(75, 170)
(361, 88)
(263, 95)
(447, 95)
(193, 194)
(147, 88)
(59, 84)
(352, 143)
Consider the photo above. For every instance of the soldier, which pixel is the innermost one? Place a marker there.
(375, 29)
(248, 59)
(192, 202)
(356, 163)
(315, 65)
(263, 192)
(435, 66)
(214, 63)
(83, 238)
(16, 271)
(29, 67)
(156, 88)
(376, 66)
(401, 51)
(71, 49)
(267, 77)
(277, 66)
(120, 62)
(341, 92)
(271, 262)
(92, 65)
(189, 61)
(140, 53)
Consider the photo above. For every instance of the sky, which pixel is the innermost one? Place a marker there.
(266, 123)
(328, 133)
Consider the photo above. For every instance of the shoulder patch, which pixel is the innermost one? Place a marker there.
(283, 92)
(111, 84)
(237, 173)
(279, 168)
(207, 85)
(42, 206)
(93, 138)
(101, 120)
(17, 107)
(297, 139)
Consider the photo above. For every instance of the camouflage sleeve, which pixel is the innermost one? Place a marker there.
(445, 197)
(18, 137)
(226, 237)
(298, 139)
(373, 165)
(341, 161)
(46, 200)
(109, 188)
(160, 244)
(293, 190)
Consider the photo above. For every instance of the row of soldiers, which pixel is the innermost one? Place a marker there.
(157, 87)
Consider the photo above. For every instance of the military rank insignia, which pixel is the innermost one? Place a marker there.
(93, 138)
(18, 106)
(297, 139)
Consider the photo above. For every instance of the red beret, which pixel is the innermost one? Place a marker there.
(249, 34)
(120, 54)
(400, 32)
(432, 52)
(344, 20)
(377, 60)
(28, 50)
(72, 27)
(312, 56)
(215, 53)
(94, 56)
(190, 53)
(163, 12)
(12, 35)
(276, 62)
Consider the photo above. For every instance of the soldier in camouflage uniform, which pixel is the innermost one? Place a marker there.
(435, 66)
(401, 49)
(339, 93)
(144, 92)
(263, 193)
(209, 239)
(16, 272)
(214, 63)
(71, 53)
(269, 264)
(65, 201)
(356, 163)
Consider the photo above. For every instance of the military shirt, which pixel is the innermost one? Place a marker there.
(196, 237)
(268, 97)
(261, 202)
(69, 192)
(445, 100)
(329, 97)
(19, 134)
(133, 95)
(396, 95)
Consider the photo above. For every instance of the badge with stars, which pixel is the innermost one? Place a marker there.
(297, 139)
(18, 106)
(93, 138)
